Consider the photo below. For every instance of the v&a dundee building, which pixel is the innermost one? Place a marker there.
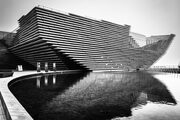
(75, 42)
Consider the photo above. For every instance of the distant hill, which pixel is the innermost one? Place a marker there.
(3, 34)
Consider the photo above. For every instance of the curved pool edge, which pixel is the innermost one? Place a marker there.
(15, 111)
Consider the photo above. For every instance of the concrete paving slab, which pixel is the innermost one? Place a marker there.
(2, 114)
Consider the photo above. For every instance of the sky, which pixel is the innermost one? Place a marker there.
(147, 17)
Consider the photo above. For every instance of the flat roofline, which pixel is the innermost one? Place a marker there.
(66, 13)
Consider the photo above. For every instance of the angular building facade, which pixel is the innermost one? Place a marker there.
(75, 42)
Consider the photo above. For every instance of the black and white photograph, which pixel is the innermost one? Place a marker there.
(89, 60)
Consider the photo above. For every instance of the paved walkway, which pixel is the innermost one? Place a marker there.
(2, 115)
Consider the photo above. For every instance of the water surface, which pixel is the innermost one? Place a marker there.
(100, 96)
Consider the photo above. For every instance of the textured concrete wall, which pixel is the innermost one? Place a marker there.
(4, 57)
(9, 61)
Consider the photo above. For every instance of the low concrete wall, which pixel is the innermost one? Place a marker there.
(15, 109)
(10, 61)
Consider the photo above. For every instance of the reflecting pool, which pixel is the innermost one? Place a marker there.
(100, 96)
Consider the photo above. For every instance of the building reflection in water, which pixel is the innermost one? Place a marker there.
(38, 81)
(54, 79)
(108, 95)
(46, 80)
(91, 96)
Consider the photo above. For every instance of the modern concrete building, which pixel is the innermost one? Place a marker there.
(75, 42)
(139, 38)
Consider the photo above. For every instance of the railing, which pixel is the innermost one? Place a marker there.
(169, 69)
